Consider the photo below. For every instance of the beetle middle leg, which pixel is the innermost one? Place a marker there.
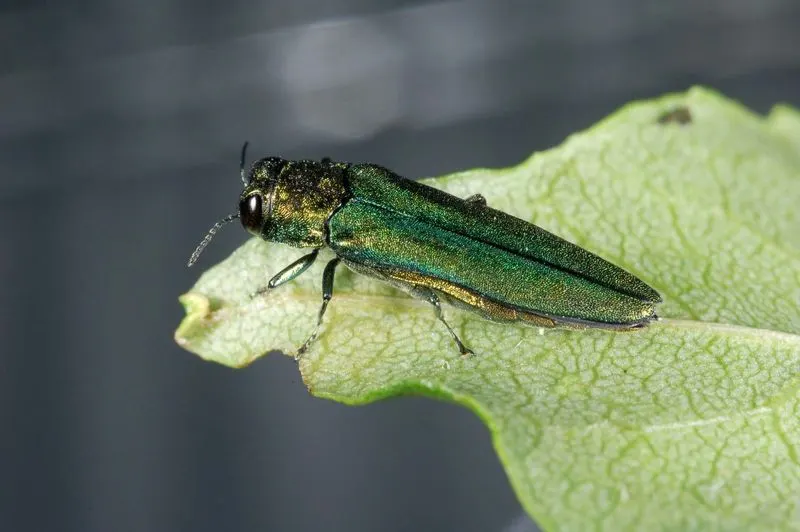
(431, 297)
(327, 294)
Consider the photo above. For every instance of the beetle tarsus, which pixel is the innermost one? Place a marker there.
(260, 292)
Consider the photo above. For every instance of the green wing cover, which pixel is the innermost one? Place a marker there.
(388, 239)
(380, 187)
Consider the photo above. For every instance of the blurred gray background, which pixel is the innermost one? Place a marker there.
(120, 126)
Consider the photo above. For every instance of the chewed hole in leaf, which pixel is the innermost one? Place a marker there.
(679, 115)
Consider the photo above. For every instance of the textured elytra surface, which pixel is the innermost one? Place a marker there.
(691, 424)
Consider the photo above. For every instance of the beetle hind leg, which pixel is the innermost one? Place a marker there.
(431, 297)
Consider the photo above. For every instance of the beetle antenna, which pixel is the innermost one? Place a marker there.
(241, 163)
(211, 232)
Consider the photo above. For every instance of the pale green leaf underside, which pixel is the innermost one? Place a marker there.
(691, 424)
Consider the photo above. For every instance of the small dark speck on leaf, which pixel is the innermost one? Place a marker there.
(679, 115)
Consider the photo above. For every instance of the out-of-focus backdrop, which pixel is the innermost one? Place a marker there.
(120, 128)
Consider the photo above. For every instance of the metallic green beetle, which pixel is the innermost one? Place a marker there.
(433, 245)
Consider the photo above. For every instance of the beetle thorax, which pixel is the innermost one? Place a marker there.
(298, 202)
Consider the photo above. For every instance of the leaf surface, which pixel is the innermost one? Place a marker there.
(691, 424)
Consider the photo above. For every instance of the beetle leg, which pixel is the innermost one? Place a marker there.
(327, 293)
(433, 299)
(288, 273)
(476, 199)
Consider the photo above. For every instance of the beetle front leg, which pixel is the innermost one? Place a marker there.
(288, 273)
(327, 294)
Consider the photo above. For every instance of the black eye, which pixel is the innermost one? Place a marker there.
(250, 213)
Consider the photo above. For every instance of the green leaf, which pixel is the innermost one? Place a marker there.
(691, 424)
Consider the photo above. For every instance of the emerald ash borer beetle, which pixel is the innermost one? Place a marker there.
(433, 245)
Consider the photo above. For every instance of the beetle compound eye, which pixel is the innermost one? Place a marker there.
(250, 213)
